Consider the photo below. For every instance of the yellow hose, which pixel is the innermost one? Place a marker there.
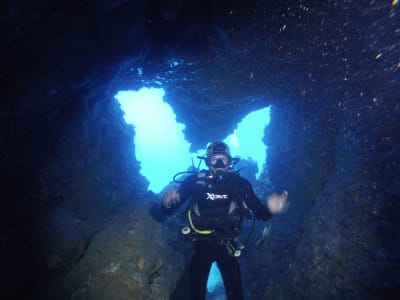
(207, 231)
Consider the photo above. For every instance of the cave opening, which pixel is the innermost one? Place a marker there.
(156, 130)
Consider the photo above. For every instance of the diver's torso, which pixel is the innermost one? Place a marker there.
(214, 194)
(216, 203)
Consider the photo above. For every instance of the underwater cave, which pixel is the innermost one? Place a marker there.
(80, 220)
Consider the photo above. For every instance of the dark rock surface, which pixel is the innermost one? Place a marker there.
(69, 176)
(119, 264)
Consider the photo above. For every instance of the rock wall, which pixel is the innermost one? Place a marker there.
(337, 154)
(128, 259)
(338, 238)
(61, 178)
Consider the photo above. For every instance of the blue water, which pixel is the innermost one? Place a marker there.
(160, 144)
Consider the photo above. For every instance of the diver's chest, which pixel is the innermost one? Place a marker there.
(214, 194)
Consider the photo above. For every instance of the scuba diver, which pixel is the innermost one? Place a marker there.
(219, 200)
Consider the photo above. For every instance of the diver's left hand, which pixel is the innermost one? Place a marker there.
(278, 203)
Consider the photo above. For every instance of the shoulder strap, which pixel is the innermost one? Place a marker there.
(200, 179)
(237, 186)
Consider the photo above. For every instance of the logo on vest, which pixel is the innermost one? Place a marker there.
(213, 196)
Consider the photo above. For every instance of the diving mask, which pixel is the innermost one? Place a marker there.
(219, 161)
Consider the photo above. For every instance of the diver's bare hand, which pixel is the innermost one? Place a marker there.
(278, 203)
(171, 198)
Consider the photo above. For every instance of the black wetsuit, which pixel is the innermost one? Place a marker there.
(212, 196)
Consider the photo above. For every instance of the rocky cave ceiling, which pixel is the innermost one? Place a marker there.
(232, 56)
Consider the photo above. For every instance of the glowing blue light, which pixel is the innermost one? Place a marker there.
(162, 149)
(214, 278)
(246, 140)
(160, 144)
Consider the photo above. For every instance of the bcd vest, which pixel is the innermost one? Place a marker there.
(217, 205)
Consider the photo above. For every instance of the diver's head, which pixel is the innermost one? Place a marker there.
(218, 157)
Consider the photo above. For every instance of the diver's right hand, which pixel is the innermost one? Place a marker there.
(171, 198)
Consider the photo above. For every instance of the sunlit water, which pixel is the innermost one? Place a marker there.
(162, 149)
(160, 144)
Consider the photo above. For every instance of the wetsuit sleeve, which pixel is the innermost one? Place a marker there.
(251, 200)
(184, 191)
